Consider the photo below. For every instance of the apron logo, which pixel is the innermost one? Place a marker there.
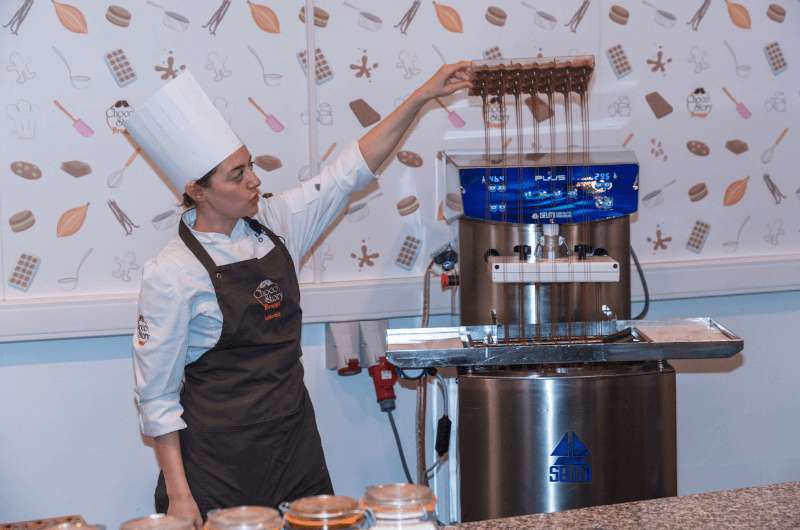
(269, 295)
(142, 331)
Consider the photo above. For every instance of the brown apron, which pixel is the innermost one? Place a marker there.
(251, 436)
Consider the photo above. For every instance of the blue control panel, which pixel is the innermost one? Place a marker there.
(544, 194)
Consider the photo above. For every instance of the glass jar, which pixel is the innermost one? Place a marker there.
(324, 512)
(393, 506)
(157, 521)
(244, 518)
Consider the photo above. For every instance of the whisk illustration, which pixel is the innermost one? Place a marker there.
(408, 17)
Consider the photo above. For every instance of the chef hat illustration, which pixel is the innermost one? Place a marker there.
(181, 131)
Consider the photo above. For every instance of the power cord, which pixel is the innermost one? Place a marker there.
(399, 447)
(443, 427)
(646, 307)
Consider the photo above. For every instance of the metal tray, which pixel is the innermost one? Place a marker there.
(563, 343)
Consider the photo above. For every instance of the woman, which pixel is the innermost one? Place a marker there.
(219, 383)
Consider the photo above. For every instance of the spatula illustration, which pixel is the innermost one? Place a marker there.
(78, 124)
(743, 111)
(456, 120)
(271, 120)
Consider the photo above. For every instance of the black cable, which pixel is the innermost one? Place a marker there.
(422, 374)
(399, 447)
(444, 392)
(646, 307)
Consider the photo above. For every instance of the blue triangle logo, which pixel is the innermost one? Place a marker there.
(570, 446)
(578, 448)
(562, 449)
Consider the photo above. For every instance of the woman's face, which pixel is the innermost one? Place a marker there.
(233, 189)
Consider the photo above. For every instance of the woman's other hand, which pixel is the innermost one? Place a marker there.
(448, 79)
(186, 508)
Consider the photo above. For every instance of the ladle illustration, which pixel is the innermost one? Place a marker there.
(171, 19)
(766, 157)
(114, 180)
(664, 19)
(70, 283)
(78, 82)
(656, 197)
(543, 20)
(742, 70)
(269, 79)
(732, 246)
(366, 20)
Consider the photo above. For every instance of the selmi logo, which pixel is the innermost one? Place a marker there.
(571, 464)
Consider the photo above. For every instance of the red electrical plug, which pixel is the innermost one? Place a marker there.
(384, 376)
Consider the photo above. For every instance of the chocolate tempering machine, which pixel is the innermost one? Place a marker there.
(563, 399)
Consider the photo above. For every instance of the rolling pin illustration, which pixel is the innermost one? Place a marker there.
(456, 120)
(271, 120)
(77, 123)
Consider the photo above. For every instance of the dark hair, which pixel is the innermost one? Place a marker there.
(203, 182)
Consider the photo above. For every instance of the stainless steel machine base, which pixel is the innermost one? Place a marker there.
(546, 439)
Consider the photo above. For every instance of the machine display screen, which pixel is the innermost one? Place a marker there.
(560, 194)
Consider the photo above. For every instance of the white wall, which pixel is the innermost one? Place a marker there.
(69, 441)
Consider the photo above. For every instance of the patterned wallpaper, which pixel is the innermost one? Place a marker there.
(705, 94)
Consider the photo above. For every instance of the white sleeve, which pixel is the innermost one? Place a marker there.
(303, 213)
(160, 345)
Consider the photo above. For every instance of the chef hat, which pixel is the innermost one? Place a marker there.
(182, 131)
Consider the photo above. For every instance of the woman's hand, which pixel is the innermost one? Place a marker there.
(186, 508)
(448, 79)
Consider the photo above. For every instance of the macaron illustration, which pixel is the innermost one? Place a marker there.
(619, 14)
(118, 15)
(776, 13)
(407, 205)
(698, 192)
(409, 158)
(453, 202)
(496, 16)
(21, 221)
(321, 16)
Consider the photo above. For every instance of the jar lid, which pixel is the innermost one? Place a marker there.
(244, 518)
(73, 525)
(330, 508)
(157, 521)
(399, 498)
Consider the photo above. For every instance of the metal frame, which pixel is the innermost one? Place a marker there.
(562, 343)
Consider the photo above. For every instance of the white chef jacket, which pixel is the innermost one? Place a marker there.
(179, 317)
